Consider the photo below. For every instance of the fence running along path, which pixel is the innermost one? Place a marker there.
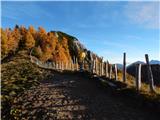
(99, 68)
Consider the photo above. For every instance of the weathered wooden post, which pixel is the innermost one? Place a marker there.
(115, 70)
(73, 63)
(110, 71)
(48, 64)
(102, 68)
(58, 65)
(52, 64)
(62, 66)
(106, 68)
(93, 71)
(55, 65)
(138, 77)
(96, 66)
(70, 66)
(76, 64)
(124, 67)
(92, 67)
(150, 75)
(66, 65)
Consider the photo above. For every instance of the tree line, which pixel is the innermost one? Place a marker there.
(45, 45)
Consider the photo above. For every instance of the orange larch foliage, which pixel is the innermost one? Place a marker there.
(47, 45)
(29, 40)
(4, 49)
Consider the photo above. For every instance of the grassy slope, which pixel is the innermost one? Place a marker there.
(128, 90)
(20, 74)
(17, 75)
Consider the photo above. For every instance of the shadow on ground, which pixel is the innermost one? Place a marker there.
(75, 96)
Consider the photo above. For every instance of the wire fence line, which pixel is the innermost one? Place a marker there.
(99, 68)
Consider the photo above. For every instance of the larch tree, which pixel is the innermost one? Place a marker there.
(29, 40)
(3, 43)
(64, 43)
(23, 32)
(37, 52)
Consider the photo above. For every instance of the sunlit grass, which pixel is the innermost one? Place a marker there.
(145, 90)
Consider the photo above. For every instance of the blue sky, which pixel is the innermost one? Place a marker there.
(106, 28)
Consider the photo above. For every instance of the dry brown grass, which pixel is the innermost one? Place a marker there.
(17, 75)
(144, 87)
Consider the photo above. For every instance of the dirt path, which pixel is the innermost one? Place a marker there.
(66, 96)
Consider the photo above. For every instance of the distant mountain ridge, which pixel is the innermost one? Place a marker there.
(155, 67)
(154, 62)
(119, 66)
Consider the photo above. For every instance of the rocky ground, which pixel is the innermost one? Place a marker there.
(72, 96)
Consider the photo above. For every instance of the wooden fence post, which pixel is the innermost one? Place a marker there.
(106, 69)
(62, 66)
(96, 66)
(67, 65)
(124, 67)
(52, 64)
(102, 69)
(92, 66)
(150, 75)
(56, 65)
(138, 77)
(110, 72)
(115, 70)
(70, 65)
(76, 64)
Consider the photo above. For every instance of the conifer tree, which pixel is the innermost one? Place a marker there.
(29, 40)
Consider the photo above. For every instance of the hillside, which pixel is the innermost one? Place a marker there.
(23, 81)
(47, 46)
(18, 74)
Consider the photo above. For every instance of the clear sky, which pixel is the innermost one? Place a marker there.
(106, 28)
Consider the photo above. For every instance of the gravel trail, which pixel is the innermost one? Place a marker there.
(72, 96)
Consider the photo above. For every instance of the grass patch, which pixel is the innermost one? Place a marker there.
(17, 75)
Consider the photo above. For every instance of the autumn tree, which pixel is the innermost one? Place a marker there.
(32, 30)
(12, 41)
(17, 36)
(37, 52)
(64, 43)
(3, 43)
(29, 40)
(48, 45)
(23, 32)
